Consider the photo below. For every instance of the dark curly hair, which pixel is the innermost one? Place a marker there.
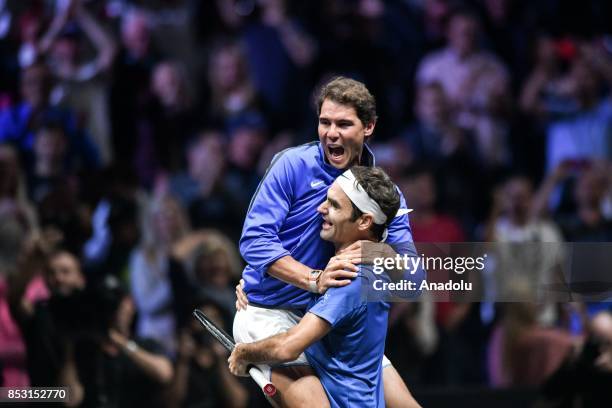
(347, 91)
(381, 189)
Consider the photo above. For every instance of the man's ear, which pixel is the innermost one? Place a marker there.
(369, 130)
(365, 222)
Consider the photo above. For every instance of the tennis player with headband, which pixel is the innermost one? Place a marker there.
(343, 334)
(287, 261)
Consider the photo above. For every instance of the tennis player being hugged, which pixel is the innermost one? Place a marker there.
(342, 333)
(288, 263)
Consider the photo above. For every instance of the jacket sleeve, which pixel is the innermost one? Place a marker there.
(260, 244)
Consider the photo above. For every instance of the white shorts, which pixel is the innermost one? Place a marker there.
(258, 323)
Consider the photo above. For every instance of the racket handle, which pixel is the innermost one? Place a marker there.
(266, 386)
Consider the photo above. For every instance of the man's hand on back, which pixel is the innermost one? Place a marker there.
(338, 272)
(241, 300)
(364, 252)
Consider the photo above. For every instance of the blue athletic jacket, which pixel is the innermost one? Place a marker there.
(282, 219)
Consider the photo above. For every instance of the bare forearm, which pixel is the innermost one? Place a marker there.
(156, 367)
(68, 377)
(51, 35)
(179, 384)
(103, 42)
(290, 271)
(539, 207)
(299, 45)
(269, 351)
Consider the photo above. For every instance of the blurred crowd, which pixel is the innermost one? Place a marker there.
(134, 133)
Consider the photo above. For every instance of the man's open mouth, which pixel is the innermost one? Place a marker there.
(326, 225)
(336, 153)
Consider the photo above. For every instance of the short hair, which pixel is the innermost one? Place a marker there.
(381, 189)
(347, 91)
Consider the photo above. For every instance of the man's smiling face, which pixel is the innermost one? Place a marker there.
(337, 212)
(342, 134)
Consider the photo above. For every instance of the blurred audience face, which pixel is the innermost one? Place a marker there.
(36, 85)
(462, 33)
(64, 52)
(591, 188)
(432, 105)
(245, 147)
(167, 84)
(50, 145)
(65, 274)
(227, 68)
(170, 223)
(420, 191)
(206, 157)
(213, 269)
(517, 197)
(135, 33)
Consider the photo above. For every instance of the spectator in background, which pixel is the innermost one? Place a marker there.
(202, 377)
(116, 224)
(586, 220)
(42, 321)
(247, 138)
(115, 368)
(31, 26)
(585, 376)
(532, 251)
(428, 225)
(541, 94)
(19, 122)
(585, 132)
(14, 203)
(231, 88)
(437, 141)
(478, 87)
(435, 19)
(151, 265)
(507, 25)
(588, 223)
(435, 138)
(49, 167)
(522, 352)
(514, 218)
(13, 357)
(168, 123)
(80, 87)
(202, 189)
(279, 52)
(216, 269)
(130, 87)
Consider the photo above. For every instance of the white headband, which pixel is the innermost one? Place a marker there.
(360, 198)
